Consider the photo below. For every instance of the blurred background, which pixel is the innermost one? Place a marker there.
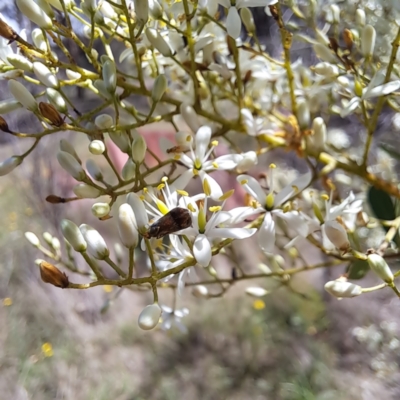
(297, 344)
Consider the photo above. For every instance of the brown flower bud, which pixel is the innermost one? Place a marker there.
(49, 111)
(51, 274)
(53, 199)
(4, 126)
(348, 38)
(7, 32)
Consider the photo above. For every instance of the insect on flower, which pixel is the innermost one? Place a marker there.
(177, 219)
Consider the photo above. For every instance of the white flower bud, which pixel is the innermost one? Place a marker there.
(48, 237)
(158, 42)
(141, 10)
(32, 239)
(55, 244)
(233, 23)
(139, 148)
(85, 191)
(190, 116)
(20, 62)
(9, 105)
(256, 291)
(247, 19)
(45, 6)
(334, 13)
(127, 227)
(45, 75)
(22, 94)
(38, 39)
(94, 170)
(33, 12)
(9, 164)
(200, 291)
(57, 100)
(149, 317)
(159, 87)
(129, 170)
(380, 267)
(57, 4)
(110, 76)
(319, 137)
(71, 165)
(121, 139)
(100, 210)
(155, 9)
(73, 235)
(67, 147)
(96, 245)
(324, 53)
(368, 37)
(72, 74)
(337, 235)
(248, 161)
(104, 121)
(326, 69)
(303, 113)
(97, 147)
(139, 209)
(360, 17)
(341, 289)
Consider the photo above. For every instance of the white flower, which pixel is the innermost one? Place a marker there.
(172, 318)
(269, 203)
(198, 163)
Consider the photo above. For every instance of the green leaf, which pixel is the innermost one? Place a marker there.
(381, 204)
(357, 269)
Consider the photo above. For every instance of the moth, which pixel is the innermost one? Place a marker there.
(177, 219)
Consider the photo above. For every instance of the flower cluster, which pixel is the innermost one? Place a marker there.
(181, 200)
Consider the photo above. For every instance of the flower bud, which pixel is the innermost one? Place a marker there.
(340, 288)
(55, 244)
(129, 170)
(97, 147)
(45, 6)
(149, 317)
(139, 209)
(247, 19)
(85, 191)
(121, 139)
(9, 105)
(51, 274)
(4, 125)
(9, 164)
(47, 237)
(104, 121)
(67, 147)
(45, 75)
(57, 4)
(38, 39)
(319, 137)
(256, 291)
(22, 94)
(380, 267)
(94, 170)
(324, 53)
(326, 69)
(159, 87)
(20, 62)
(337, 235)
(158, 42)
(233, 23)
(303, 113)
(360, 17)
(155, 9)
(200, 291)
(71, 165)
(100, 210)
(73, 235)
(248, 161)
(334, 14)
(139, 148)
(73, 75)
(96, 245)
(127, 227)
(368, 37)
(190, 116)
(33, 12)
(56, 100)
(141, 10)
(49, 112)
(110, 76)
(32, 239)
(7, 32)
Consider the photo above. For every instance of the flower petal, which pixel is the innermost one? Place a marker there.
(202, 250)
(216, 191)
(294, 220)
(382, 90)
(233, 23)
(266, 234)
(202, 140)
(182, 181)
(231, 233)
(252, 187)
(295, 187)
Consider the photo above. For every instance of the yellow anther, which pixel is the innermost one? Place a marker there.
(162, 207)
(160, 186)
(215, 208)
(214, 143)
(295, 188)
(164, 179)
(272, 166)
(145, 190)
(243, 181)
(215, 165)
(177, 157)
(226, 195)
(191, 208)
(206, 187)
(188, 138)
(142, 197)
(182, 192)
(324, 197)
